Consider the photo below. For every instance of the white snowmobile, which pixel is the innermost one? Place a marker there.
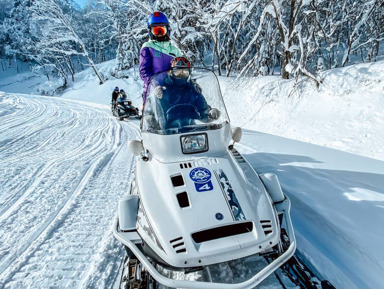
(195, 202)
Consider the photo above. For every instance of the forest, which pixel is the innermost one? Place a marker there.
(232, 37)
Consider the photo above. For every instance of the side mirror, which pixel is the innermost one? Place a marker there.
(135, 147)
(236, 134)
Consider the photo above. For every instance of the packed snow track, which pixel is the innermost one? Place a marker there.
(64, 165)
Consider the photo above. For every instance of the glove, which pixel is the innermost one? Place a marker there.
(197, 87)
(214, 113)
(159, 91)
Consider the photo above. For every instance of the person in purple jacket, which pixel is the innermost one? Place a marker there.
(157, 53)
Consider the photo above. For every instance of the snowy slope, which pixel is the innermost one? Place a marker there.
(346, 112)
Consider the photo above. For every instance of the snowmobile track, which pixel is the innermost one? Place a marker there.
(63, 240)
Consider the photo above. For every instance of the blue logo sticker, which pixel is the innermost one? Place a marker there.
(201, 177)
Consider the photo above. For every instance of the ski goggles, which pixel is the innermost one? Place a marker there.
(180, 73)
(159, 30)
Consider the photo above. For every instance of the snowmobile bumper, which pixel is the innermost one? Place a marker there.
(132, 239)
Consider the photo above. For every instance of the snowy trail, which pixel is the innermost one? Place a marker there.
(63, 170)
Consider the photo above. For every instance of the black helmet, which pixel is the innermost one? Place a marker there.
(116, 88)
(121, 90)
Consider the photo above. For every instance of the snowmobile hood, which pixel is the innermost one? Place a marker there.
(203, 211)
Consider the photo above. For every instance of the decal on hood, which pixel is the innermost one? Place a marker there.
(144, 224)
(230, 195)
(202, 179)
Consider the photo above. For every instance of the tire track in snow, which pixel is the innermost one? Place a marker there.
(14, 219)
(56, 154)
(19, 111)
(67, 245)
(60, 213)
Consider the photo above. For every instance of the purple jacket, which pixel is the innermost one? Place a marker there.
(155, 57)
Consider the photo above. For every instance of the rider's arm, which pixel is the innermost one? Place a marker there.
(207, 113)
(200, 102)
(145, 68)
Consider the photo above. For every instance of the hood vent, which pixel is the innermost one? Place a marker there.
(222, 232)
(185, 165)
(200, 163)
(267, 226)
(177, 180)
(239, 158)
(183, 200)
(179, 245)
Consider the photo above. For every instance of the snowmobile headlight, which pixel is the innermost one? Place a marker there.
(194, 143)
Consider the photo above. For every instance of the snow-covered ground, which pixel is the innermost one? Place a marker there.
(346, 112)
(64, 165)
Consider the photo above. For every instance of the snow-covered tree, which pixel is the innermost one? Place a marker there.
(360, 23)
(56, 38)
(232, 36)
(17, 33)
(231, 27)
(122, 25)
(345, 27)
(5, 9)
(289, 20)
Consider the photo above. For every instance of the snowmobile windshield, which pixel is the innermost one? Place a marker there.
(177, 104)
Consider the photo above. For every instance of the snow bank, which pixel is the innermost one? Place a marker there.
(345, 112)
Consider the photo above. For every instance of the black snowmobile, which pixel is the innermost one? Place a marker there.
(123, 108)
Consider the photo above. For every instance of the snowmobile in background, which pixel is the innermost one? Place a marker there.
(195, 204)
(123, 108)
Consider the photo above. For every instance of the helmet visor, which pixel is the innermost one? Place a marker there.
(159, 31)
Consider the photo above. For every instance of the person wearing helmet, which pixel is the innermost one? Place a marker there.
(157, 53)
(123, 94)
(115, 95)
(181, 98)
(123, 97)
